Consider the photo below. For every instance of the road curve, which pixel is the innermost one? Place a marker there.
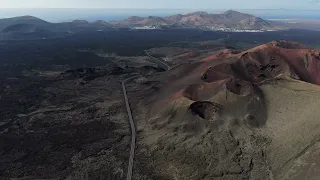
(132, 124)
(160, 63)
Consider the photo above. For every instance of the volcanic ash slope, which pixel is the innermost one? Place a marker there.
(252, 115)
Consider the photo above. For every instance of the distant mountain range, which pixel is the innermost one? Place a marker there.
(57, 27)
(229, 19)
(29, 27)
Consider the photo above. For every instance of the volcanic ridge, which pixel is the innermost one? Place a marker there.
(249, 99)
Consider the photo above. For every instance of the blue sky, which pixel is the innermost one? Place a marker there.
(161, 4)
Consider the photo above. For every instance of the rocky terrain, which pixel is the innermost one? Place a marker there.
(57, 126)
(230, 115)
(68, 124)
(228, 106)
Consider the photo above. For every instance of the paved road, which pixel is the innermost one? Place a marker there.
(132, 124)
(160, 63)
(133, 133)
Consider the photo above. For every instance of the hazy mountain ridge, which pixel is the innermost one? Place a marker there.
(29, 27)
(200, 19)
(232, 21)
(22, 20)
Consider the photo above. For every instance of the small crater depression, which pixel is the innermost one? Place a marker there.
(207, 110)
(239, 87)
(217, 73)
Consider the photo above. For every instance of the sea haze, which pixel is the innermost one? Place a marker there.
(60, 15)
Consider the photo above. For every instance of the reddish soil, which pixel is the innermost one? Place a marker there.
(238, 72)
(187, 54)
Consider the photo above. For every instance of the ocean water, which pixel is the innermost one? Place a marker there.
(285, 14)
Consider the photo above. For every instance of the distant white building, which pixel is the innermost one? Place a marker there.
(145, 27)
(236, 30)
